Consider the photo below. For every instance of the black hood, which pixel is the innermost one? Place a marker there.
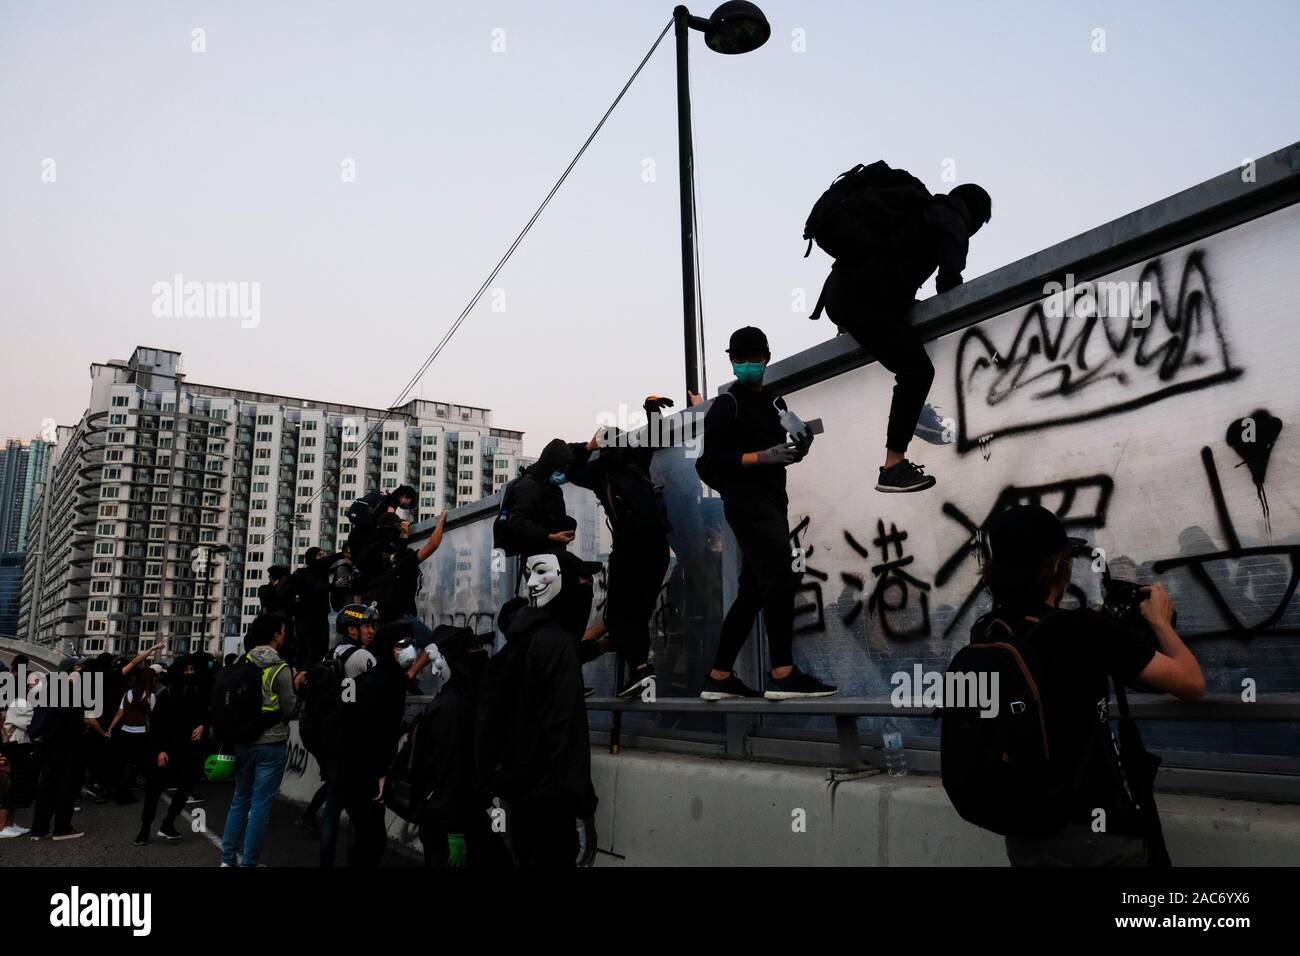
(526, 620)
(556, 456)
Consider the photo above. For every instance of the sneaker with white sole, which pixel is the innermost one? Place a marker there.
(729, 688)
(12, 831)
(905, 476)
(797, 684)
(70, 835)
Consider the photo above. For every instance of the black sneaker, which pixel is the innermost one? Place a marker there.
(168, 832)
(797, 684)
(588, 691)
(641, 676)
(905, 476)
(142, 837)
(729, 687)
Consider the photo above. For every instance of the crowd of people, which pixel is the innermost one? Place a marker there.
(496, 770)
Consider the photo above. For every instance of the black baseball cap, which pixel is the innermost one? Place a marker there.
(1026, 534)
(748, 341)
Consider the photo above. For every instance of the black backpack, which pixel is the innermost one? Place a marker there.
(502, 539)
(322, 705)
(997, 771)
(237, 713)
(632, 502)
(865, 210)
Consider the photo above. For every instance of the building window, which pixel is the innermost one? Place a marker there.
(121, 401)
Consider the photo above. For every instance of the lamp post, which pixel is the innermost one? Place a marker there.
(202, 560)
(735, 27)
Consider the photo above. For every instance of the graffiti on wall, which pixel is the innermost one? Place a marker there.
(1051, 372)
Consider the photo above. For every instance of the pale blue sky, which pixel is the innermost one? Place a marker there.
(226, 165)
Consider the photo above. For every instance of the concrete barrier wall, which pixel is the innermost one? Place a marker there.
(1132, 435)
(672, 810)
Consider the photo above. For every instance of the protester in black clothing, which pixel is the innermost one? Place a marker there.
(1077, 653)
(534, 749)
(371, 728)
(455, 829)
(871, 295)
(57, 733)
(180, 723)
(342, 584)
(746, 452)
(619, 474)
(277, 597)
(309, 587)
(394, 589)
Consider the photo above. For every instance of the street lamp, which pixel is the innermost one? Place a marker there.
(735, 27)
(202, 560)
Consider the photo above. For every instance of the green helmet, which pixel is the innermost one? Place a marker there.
(219, 767)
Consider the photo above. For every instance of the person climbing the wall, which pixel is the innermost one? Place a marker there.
(746, 452)
(888, 235)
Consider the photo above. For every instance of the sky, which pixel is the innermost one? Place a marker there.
(363, 166)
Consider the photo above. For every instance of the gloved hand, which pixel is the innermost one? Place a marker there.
(456, 854)
(945, 281)
(657, 403)
(783, 454)
(586, 842)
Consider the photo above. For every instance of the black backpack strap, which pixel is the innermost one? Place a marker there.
(821, 299)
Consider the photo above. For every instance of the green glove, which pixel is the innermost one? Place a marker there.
(455, 849)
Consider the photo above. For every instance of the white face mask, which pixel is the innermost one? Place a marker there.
(407, 655)
(543, 579)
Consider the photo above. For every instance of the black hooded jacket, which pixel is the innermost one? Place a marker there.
(939, 239)
(182, 706)
(533, 741)
(537, 505)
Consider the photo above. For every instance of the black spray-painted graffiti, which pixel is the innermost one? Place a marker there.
(1252, 438)
(890, 597)
(1000, 391)
(1080, 503)
(808, 596)
(1209, 572)
(298, 755)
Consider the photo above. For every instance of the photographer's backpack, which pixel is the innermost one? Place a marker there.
(866, 209)
(997, 770)
(237, 712)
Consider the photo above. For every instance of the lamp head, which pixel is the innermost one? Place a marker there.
(736, 27)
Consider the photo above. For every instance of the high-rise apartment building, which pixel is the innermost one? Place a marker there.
(168, 502)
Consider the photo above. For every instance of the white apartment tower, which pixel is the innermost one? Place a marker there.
(168, 502)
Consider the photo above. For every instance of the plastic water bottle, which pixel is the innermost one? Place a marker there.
(895, 759)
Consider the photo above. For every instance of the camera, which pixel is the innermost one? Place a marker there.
(1120, 600)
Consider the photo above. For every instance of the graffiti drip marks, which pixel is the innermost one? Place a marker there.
(1252, 438)
(1209, 571)
(1086, 364)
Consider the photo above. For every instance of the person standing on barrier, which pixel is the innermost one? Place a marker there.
(746, 452)
(619, 475)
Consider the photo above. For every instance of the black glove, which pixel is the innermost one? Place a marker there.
(586, 842)
(656, 403)
(943, 282)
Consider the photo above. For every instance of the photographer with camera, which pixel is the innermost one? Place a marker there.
(1093, 803)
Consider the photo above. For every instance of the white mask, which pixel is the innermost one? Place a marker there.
(543, 579)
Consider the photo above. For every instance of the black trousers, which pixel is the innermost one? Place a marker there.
(768, 580)
(369, 836)
(544, 835)
(635, 574)
(57, 789)
(185, 767)
(312, 640)
(868, 302)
